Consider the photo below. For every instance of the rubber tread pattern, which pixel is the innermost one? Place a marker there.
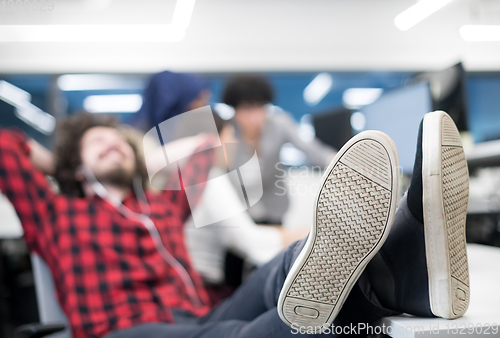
(351, 216)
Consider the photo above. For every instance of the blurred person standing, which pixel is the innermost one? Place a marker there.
(170, 94)
(220, 250)
(267, 132)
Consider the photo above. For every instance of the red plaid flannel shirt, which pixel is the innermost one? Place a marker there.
(107, 271)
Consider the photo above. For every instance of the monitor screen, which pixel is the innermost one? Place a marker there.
(398, 114)
(333, 127)
(484, 104)
(448, 91)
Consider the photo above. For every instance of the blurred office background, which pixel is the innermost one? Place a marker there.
(338, 67)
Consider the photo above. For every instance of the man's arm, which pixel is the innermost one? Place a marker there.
(193, 172)
(41, 158)
(185, 145)
(25, 186)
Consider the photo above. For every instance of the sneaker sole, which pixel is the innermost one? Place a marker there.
(445, 180)
(354, 211)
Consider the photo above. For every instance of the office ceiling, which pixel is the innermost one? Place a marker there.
(258, 35)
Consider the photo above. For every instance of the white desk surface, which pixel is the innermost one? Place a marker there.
(484, 308)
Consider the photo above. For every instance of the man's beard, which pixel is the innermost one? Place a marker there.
(118, 177)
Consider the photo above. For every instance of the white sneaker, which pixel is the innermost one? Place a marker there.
(354, 211)
(445, 181)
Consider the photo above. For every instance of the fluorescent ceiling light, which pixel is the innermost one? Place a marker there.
(25, 110)
(104, 33)
(79, 5)
(96, 5)
(418, 12)
(480, 32)
(359, 97)
(72, 82)
(13, 95)
(225, 111)
(318, 88)
(358, 121)
(182, 13)
(90, 33)
(128, 103)
(37, 118)
(305, 130)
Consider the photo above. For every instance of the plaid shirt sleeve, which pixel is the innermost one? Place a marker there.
(194, 173)
(25, 186)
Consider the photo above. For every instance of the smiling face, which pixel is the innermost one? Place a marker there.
(106, 152)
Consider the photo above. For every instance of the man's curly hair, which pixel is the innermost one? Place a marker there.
(68, 145)
(247, 89)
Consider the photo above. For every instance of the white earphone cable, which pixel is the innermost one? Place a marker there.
(143, 218)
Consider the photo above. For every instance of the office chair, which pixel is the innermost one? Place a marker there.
(54, 323)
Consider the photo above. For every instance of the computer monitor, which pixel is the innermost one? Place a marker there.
(448, 92)
(398, 114)
(484, 104)
(333, 127)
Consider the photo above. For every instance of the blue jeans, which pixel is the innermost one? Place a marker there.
(251, 311)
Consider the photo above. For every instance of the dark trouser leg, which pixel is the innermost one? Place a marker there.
(251, 311)
(266, 325)
(260, 294)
